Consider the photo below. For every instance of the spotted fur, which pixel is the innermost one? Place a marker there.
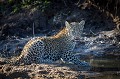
(50, 49)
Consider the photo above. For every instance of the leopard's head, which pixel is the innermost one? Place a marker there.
(75, 29)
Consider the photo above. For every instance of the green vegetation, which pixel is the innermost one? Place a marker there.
(14, 6)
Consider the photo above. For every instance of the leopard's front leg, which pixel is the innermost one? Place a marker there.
(69, 57)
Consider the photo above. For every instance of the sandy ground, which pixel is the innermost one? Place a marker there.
(44, 71)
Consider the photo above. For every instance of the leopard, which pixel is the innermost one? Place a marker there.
(52, 48)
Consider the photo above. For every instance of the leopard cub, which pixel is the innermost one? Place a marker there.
(53, 48)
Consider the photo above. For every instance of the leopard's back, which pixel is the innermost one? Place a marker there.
(43, 49)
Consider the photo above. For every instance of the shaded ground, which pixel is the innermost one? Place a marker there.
(100, 40)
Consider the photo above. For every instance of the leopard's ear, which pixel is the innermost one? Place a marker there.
(82, 23)
(67, 24)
